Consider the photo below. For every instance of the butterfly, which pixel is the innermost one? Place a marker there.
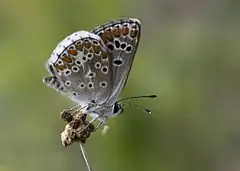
(92, 67)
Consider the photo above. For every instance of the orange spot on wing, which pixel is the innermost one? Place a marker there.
(104, 36)
(107, 35)
(104, 55)
(72, 52)
(60, 67)
(125, 31)
(117, 32)
(96, 49)
(79, 46)
(86, 44)
(67, 59)
(110, 35)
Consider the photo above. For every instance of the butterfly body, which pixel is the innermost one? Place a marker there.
(92, 68)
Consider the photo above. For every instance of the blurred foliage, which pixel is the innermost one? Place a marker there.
(188, 55)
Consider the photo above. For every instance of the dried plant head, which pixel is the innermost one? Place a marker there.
(78, 129)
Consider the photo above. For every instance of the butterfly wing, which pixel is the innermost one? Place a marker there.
(80, 65)
(121, 38)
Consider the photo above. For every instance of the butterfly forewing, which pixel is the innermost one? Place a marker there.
(121, 38)
(81, 64)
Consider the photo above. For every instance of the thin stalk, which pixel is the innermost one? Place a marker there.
(85, 157)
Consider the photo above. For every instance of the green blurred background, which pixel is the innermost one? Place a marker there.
(188, 55)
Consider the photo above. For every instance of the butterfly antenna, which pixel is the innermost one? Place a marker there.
(138, 97)
(85, 157)
(139, 107)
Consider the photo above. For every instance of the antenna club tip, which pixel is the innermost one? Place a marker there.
(148, 111)
(153, 96)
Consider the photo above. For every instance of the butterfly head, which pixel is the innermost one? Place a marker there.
(117, 109)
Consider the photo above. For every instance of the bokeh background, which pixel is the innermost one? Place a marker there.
(188, 55)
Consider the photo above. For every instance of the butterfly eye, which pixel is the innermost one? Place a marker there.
(117, 109)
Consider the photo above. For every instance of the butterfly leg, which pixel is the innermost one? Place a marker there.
(100, 124)
(68, 114)
(94, 118)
